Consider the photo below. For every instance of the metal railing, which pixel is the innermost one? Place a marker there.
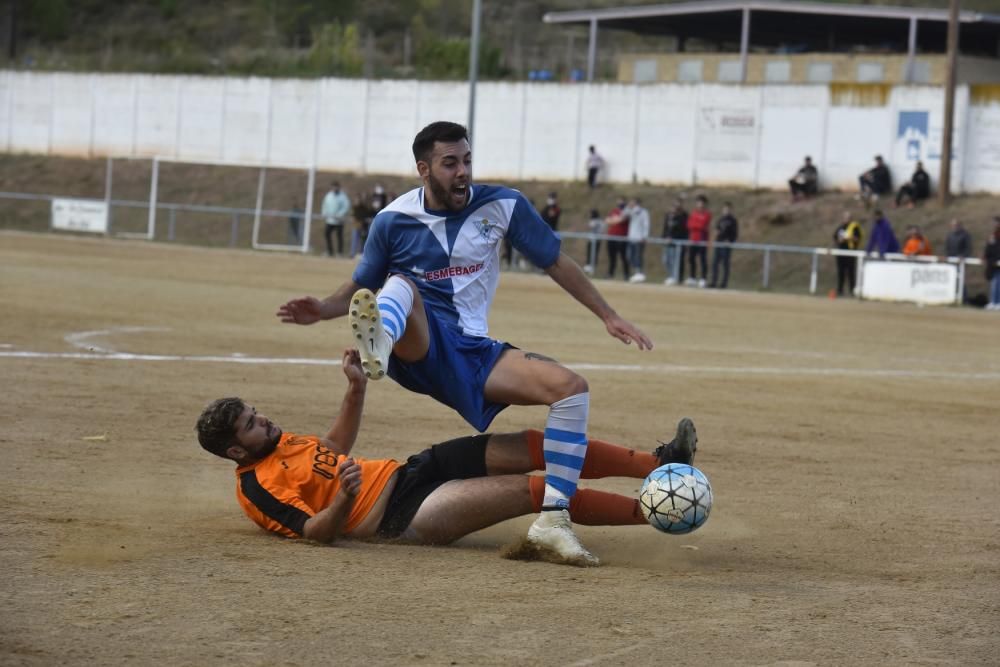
(591, 240)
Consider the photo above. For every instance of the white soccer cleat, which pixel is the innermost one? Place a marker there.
(552, 534)
(374, 344)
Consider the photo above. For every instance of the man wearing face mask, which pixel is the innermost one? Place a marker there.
(434, 256)
(551, 212)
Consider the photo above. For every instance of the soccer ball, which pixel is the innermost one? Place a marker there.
(676, 498)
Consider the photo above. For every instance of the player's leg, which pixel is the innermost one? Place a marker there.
(524, 378)
(460, 507)
(393, 321)
(514, 453)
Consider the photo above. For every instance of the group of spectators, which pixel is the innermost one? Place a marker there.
(872, 184)
(629, 223)
(338, 211)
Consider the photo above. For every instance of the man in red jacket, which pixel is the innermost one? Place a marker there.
(699, 223)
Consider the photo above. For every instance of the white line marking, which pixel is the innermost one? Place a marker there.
(81, 339)
(621, 368)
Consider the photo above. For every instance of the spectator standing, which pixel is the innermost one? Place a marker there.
(805, 183)
(595, 164)
(918, 189)
(848, 236)
(675, 228)
(699, 224)
(551, 212)
(727, 230)
(617, 226)
(368, 210)
(295, 219)
(638, 233)
(882, 240)
(336, 206)
(991, 255)
(595, 225)
(916, 244)
(958, 243)
(875, 182)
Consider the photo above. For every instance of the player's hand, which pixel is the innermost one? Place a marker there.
(349, 473)
(627, 332)
(351, 364)
(304, 310)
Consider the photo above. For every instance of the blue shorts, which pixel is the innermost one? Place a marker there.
(454, 371)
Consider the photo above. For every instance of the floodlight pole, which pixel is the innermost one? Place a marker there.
(473, 67)
(944, 193)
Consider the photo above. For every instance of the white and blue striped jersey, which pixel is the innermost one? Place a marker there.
(454, 257)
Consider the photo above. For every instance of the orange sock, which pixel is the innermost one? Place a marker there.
(603, 459)
(589, 507)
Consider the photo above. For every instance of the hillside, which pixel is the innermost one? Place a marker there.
(380, 38)
(765, 216)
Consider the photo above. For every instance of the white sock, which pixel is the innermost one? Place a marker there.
(395, 301)
(565, 448)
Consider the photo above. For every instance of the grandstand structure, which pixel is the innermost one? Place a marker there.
(771, 41)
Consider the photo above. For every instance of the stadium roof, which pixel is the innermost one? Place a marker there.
(797, 26)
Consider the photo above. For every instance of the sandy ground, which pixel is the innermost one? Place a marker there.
(852, 448)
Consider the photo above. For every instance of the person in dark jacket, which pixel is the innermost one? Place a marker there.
(882, 240)
(805, 183)
(918, 189)
(876, 181)
(727, 230)
(958, 243)
(847, 236)
(675, 228)
(991, 256)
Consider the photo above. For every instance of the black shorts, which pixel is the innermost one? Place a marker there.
(461, 458)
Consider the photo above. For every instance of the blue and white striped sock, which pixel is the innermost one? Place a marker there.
(565, 447)
(395, 301)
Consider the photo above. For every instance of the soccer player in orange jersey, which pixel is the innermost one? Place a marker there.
(310, 486)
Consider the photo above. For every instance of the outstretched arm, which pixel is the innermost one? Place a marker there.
(571, 278)
(309, 309)
(344, 430)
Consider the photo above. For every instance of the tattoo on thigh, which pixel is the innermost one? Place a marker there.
(534, 356)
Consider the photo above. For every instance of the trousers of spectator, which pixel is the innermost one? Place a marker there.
(698, 254)
(847, 268)
(673, 261)
(617, 249)
(636, 251)
(358, 237)
(910, 192)
(330, 229)
(995, 289)
(797, 188)
(721, 256)
(294, 231)
(594, 253)
(592, 177)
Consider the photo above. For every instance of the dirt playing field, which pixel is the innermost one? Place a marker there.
(853, 449)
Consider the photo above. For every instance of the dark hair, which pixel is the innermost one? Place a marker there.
(725, 203)
(702, 198)
(443, 131)
(217, 425)
(877, 213)
(594, 213)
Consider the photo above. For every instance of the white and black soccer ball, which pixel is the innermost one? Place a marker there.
(676, 498)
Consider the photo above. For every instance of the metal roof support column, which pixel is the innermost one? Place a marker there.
(592, 50)
(911, 50)
(744, 44)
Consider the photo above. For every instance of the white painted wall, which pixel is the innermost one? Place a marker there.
(665, 133)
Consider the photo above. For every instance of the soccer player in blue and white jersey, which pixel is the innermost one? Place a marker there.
(433, 255)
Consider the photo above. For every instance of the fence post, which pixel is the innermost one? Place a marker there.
(170, 225)
(235, 232)
(767, 267)
(813, 274)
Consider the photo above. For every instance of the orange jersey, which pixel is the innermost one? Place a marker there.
(298, 479)
(917, 245)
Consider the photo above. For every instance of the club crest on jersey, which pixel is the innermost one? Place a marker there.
(485, 226)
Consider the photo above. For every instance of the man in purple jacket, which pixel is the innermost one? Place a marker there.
(882, 239)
